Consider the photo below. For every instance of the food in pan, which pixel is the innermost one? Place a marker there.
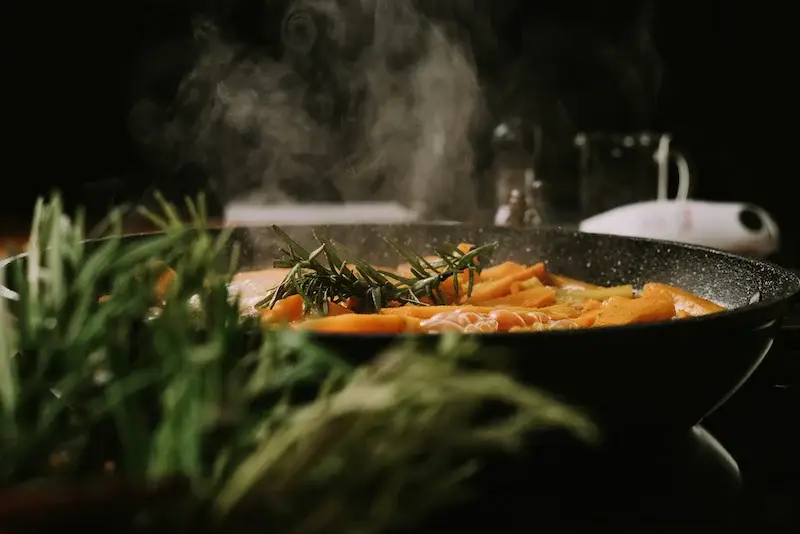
(326, 290)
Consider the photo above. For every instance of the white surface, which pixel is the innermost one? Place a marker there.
(301, 214)
(711, 224)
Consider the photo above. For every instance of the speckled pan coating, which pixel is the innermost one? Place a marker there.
(727, 279)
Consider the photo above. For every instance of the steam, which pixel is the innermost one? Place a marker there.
(368, 99)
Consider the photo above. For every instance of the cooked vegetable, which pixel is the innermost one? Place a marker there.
(530, 298)
(621, 310)
(501, 287)
(457, 293)
(684, 301)
(497, 272)
(363, 324)
(598, 293)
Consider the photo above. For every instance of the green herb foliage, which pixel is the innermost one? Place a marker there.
(133, 367)
(330, 273)
(270, 429)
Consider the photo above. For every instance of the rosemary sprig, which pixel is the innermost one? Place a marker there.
(365, 440)
(330, 273)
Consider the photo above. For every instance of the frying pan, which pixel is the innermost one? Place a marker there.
(669, 374)
(664, 375)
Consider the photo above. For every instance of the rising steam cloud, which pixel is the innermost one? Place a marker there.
(367, 99)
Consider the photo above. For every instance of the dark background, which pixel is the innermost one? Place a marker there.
(725, 94)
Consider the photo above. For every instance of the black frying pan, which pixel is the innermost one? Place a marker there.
(666, 374)
(669, 374)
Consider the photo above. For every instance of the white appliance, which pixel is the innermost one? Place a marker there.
(734, 227)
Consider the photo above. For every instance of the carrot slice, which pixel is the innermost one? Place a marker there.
(530, 298)
(588, 318)
(683, 300)
(290, 310)
(423, 312)
(448, 287)
(497, 272)
(334, 308)
(286, 310)
(591, 304)
(465, 247)
(623, 310)
(501, 287)
(362, 324)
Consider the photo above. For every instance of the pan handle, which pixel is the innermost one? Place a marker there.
(791, 336)
(790, 327)
(789, 323)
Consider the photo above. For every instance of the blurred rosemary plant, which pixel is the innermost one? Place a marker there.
(99, 379)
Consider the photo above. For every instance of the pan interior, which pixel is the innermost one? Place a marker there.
(729, 280)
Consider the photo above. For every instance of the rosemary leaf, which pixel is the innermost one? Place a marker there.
(418, 263)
